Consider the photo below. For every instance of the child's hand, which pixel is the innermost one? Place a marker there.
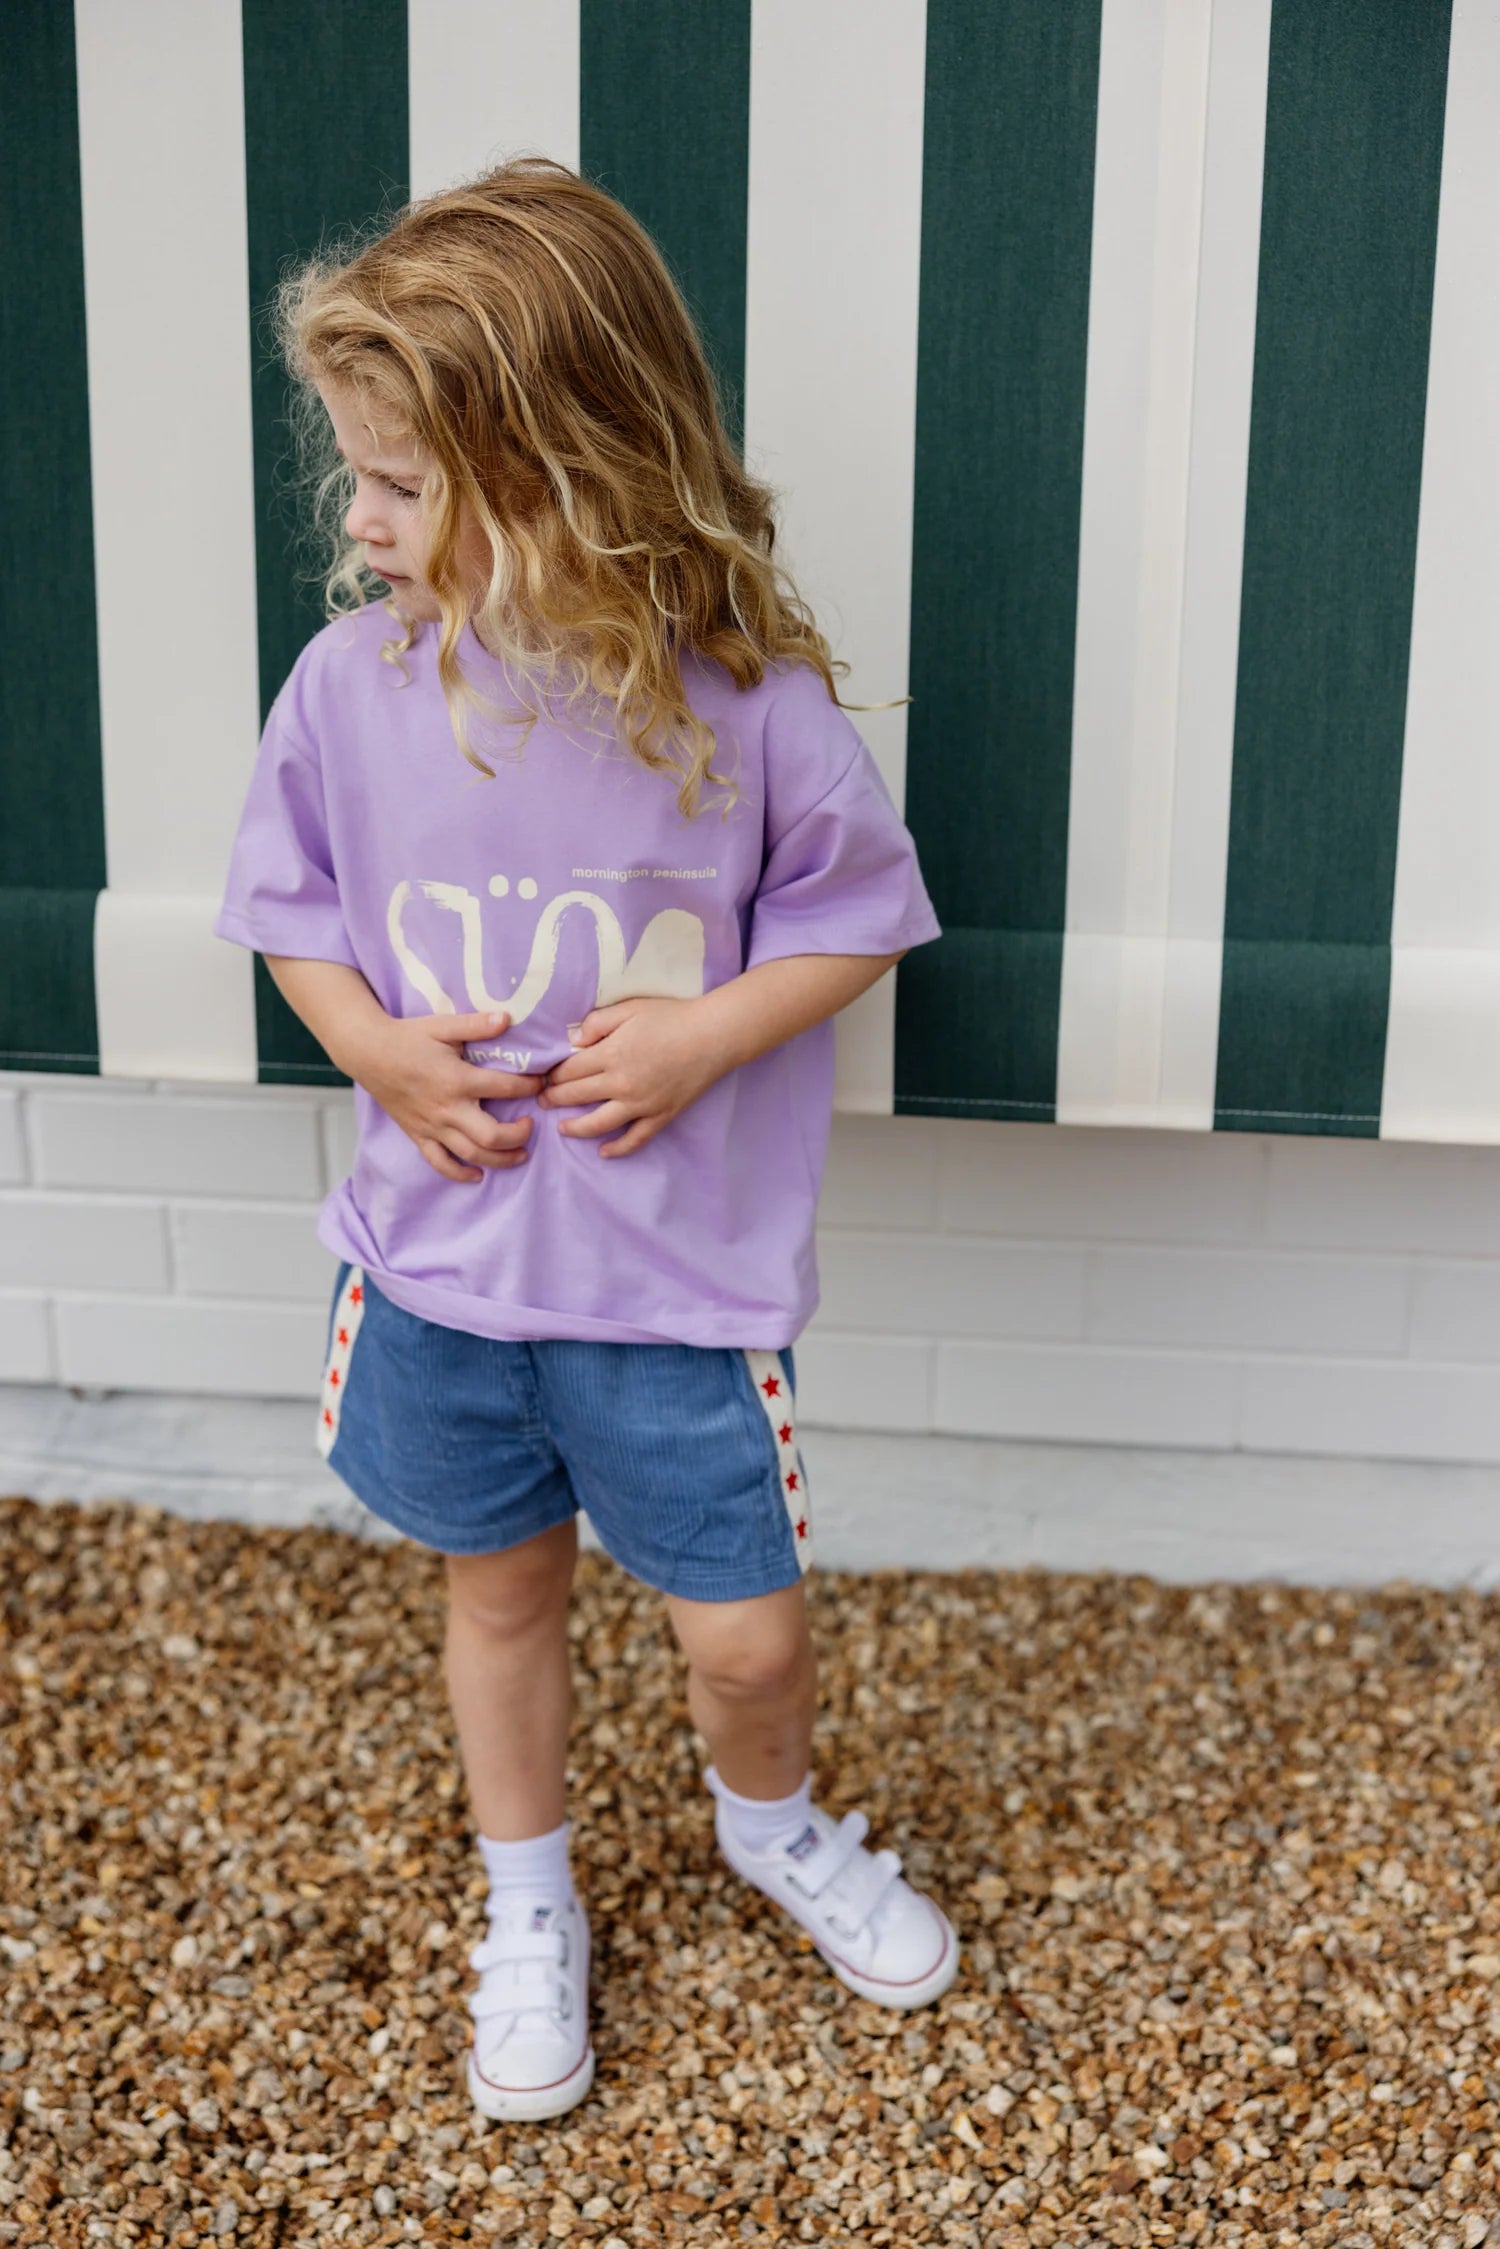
(409, 1064)
(643, 1059)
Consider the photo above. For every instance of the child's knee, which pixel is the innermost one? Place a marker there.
(522, 1586)
(752, 1650)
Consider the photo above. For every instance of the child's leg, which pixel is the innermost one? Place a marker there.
(511, 1685)
(752, 1686)
(510, 1679)
(752, 1691)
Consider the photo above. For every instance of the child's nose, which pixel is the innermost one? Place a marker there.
(363, 522)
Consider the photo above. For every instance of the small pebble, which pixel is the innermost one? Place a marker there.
(1223, 1860)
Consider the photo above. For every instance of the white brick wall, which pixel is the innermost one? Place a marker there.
(1019, 1281)
(157, 1237)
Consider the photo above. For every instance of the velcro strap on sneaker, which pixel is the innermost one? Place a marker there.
(520, 2000)
(825, 1865)
(866, 1886)
(518, 1945)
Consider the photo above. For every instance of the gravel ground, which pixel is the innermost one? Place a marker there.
(1223, 1859)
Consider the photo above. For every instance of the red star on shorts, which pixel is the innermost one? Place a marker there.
(771, 1386)
(343, 1335)
(333, 1375)
(802, 1528)
(356, 1294)
(327, 1418)
(785, 1432)
(791, 1482)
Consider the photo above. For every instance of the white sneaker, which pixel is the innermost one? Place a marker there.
(885, 1940)
(531, 2054)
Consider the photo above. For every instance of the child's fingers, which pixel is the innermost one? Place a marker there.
(581, 1065)
(607, 1118)
(486, 1142)
(440, 1160)
(562, 1093)
(598, 1023)
(458, 1028)
(501, 1085)
(644, 1129)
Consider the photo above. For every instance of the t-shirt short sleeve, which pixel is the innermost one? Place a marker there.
(281, 895)
(841, 872)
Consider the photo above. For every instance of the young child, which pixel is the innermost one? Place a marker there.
(585, 987)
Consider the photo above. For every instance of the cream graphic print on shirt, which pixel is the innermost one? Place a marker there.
(666, 963)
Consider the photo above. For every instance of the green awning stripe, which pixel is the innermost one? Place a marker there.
(1354, 135)
(47, 1008)
(1007, 208)
(52, 862)
(664, 126)
(326, 142)
(1339, 1011)
(1442, 1042)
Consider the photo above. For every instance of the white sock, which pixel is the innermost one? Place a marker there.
(536, 1866)
(761, 1822)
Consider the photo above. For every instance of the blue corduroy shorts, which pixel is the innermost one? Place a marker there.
(684, 1459)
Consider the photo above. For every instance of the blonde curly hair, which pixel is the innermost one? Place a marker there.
(522, 331)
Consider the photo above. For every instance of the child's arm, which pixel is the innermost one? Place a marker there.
(409, 1065)
(644, 1060)
(775, 1001)
(333, 1000)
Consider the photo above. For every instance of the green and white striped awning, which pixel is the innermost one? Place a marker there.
(1130, 372)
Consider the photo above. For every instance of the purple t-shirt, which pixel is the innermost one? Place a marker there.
(567, 882)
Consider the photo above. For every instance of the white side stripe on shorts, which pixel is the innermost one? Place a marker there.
(348, 1313)
(776, 1397)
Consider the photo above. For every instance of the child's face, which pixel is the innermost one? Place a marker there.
(386, 515)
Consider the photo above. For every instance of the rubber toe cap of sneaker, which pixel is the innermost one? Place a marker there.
(528, 2061)
(911, 1943)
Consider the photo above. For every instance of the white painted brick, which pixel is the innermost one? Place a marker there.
(232, 1250)
(1215, 1300)
(880, 1171)
(1233, 1290)
(340, 1129)
(1382, 1412)
(880, 1502)
(1080, 1182)
(1384, 1195)
(12, 1144)
(257, 1146)
(937, 1286)
(25, 1340)
(1456, 1312)
(82, 1242)
(1091, 1395)
(52, 1081)
(141, 1343)
(198, 1089)
(862, 1382)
